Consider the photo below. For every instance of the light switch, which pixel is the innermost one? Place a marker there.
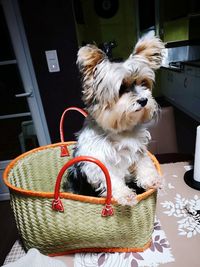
(52, 61)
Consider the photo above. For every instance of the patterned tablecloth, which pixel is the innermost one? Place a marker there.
(176, 237)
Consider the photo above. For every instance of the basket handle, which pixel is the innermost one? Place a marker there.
(57, 203)
(64, 149)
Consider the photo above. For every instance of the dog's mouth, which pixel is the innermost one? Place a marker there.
(137, 110)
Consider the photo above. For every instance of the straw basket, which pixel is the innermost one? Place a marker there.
(57, 222)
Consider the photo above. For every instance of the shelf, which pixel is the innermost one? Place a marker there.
(8, 62)
(182, 43)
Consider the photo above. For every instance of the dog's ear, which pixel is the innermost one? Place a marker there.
(88, 57)
(151, 49)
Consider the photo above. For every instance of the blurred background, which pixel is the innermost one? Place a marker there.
(39, 76)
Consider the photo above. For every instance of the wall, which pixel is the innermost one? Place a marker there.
(180, 20)
(50, 25)
(120, 27)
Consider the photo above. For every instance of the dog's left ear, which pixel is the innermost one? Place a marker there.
(151, 49)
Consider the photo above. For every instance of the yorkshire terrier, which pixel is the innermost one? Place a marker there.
(118, 99)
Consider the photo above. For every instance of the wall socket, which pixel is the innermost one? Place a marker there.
(52, 61)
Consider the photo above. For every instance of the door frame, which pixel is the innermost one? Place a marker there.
(25, 65)
(23, 57)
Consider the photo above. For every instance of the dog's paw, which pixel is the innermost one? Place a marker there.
(129, 200)
(156, 182)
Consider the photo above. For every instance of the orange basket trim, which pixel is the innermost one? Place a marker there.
(65, 195)
(97, 250)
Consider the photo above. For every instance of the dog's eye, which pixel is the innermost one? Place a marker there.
(143, 83)
(123, 89)
(133, 84)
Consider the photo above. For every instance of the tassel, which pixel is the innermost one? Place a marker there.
(57, 205)
(107, 211)
(64, 151)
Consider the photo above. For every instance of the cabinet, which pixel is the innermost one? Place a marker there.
(181, 88)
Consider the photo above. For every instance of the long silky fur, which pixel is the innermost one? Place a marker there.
(114, 131)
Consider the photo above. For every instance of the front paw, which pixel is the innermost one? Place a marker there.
(129, 198)
(156, 182)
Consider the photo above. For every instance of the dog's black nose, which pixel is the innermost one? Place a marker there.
(142, 101)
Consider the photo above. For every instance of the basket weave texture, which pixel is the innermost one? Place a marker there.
(31, 179)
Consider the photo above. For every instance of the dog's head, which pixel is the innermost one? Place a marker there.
(119, 95)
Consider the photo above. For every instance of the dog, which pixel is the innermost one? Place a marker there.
(119, 102)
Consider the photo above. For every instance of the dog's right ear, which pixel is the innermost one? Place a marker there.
(88, 57)
(151, 49)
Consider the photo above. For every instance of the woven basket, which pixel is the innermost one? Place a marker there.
(57, 222)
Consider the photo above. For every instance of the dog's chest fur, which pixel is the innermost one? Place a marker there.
(117, 150)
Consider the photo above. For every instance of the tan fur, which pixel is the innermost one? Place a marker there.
(116, 118)
(88, 57)
(132, 169)
(151, 49)
(144, 81)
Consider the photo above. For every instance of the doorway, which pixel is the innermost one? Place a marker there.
(22, 120)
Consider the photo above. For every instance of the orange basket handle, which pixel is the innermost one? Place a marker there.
(57, 203)
(64, 149)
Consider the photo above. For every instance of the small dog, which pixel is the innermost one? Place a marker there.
(118, 99)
